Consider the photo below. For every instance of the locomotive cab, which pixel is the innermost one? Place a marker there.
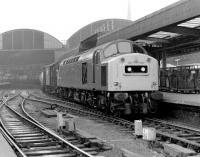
(128, 67)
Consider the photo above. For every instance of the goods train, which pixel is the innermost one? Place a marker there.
(118, 77)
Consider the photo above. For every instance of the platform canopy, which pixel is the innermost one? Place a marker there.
(174, 29)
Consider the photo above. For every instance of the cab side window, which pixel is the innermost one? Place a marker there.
(110, 50)
(97, 57)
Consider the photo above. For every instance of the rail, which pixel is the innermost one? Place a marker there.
(7, 135)
(42, 129)
(165, 130)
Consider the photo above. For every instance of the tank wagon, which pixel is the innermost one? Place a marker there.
(119, 77)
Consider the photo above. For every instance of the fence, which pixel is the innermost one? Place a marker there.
(180, 79)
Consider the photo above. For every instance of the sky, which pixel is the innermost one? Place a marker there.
(62, 18)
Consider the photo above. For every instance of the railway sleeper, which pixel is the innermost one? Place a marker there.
(13, 132)
(75, 142)
(92, 152)
(39, 144)
(80, 146)
(28, 135)
(35, 141)
(86, 139)
(194, 138)
(61, 155)
(47, 152)
(70, 138)
(18, 127)
(176, 150)
(187, 135)
(43, 148)
(31, 138)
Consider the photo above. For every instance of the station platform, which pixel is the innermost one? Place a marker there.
(5, 148)
(180, 98)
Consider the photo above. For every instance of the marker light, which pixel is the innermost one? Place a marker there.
(143, 69)
(129, 69)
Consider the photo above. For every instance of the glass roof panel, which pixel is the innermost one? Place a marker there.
(191, 23)
(164, 35)
(144, 41)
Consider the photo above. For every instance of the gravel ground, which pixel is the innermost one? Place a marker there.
(116, 136)
(182, 117)
(113, 135)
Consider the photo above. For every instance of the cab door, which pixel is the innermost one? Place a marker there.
(84, 73)
(96, 68)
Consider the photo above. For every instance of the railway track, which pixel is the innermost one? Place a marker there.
(29, 138)
(173, 133)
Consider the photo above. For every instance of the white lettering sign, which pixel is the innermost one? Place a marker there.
(106, 27)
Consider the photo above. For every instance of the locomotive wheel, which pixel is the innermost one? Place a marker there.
(101, 102)
(152, 106)
(83, 98)
(98, 104)
(114, 111)
(90, 100)
(117, 113)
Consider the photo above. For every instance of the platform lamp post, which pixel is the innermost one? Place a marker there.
(177, 60)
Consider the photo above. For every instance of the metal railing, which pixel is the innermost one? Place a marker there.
(180, 79)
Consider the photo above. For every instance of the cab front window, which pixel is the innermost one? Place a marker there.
(124, 47)
(111, 50)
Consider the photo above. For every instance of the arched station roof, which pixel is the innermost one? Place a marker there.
(99, 27)
(28, 39)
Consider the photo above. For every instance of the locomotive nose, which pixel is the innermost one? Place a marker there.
(134, 72)
(135, 64)
(135, 58)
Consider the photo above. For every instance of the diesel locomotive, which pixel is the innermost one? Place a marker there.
(118, 77)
